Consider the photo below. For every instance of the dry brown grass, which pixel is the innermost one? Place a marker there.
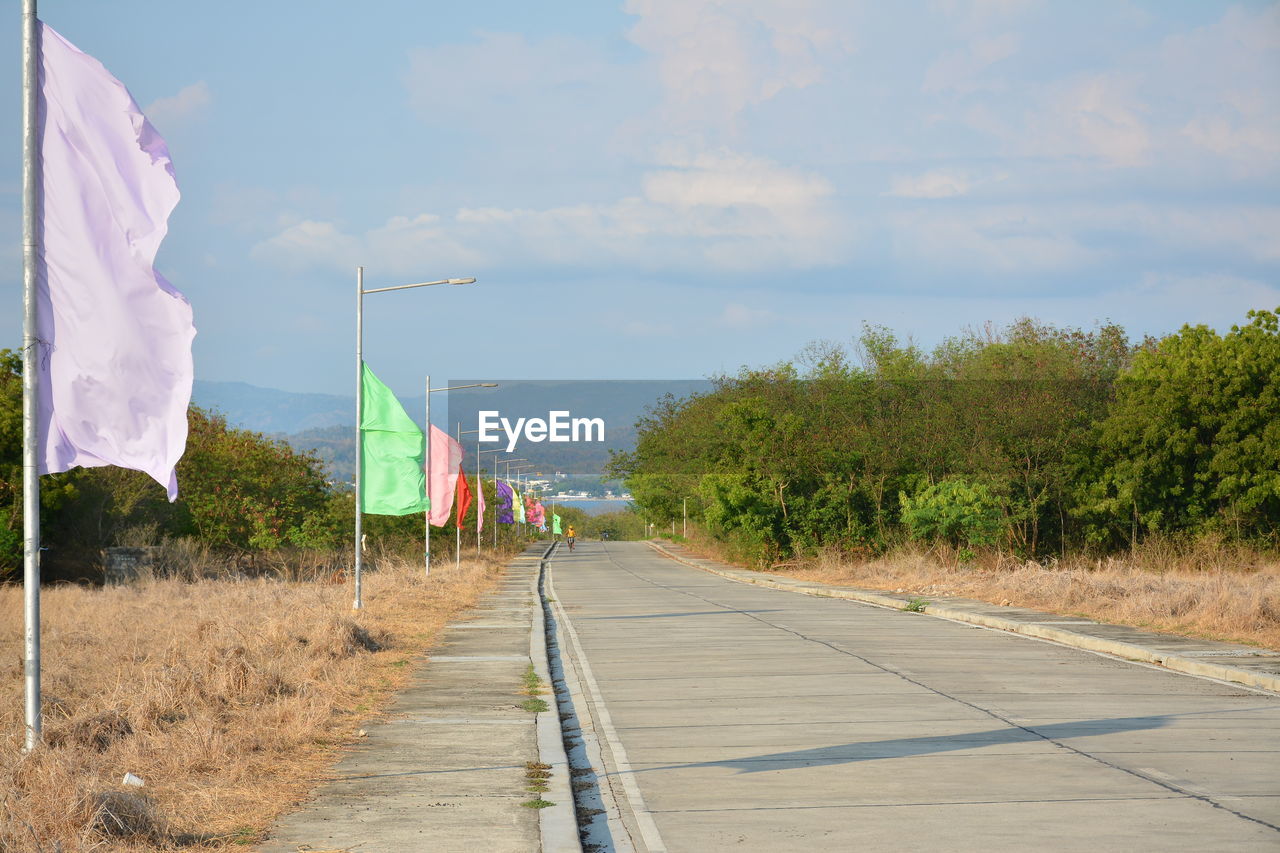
(1202, 589)
(229, 698)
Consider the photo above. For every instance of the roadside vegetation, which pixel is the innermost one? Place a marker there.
(227, 674)
(1055, 455)
(1203, 589)
(244, 499)
(227, 698)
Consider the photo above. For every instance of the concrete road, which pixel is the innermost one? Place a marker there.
(740, 718)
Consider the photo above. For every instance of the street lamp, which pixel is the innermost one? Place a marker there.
(457, 548)
(480, 485)
(495, 480)
(427, 462)
(518, 469)
(360, 294)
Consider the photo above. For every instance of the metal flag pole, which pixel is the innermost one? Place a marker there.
(428, 471)
(359, 420)
(480, 486)
(457, 511)
(31, 179)
(431, 391)
(507, 462)
(360, 293)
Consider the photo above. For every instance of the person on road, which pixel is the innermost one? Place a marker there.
(570, 537)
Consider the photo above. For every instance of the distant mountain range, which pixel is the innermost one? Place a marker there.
(274, 412)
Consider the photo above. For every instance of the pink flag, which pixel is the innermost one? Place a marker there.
(115, 337)
(446, 456)
(479, 502)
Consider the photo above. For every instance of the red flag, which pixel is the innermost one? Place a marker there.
(464, 497)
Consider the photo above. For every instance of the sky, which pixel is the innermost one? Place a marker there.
(676, 188)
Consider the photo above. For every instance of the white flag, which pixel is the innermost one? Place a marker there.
(115, 337)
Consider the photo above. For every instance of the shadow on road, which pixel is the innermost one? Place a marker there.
(669, 615)
(915, 746)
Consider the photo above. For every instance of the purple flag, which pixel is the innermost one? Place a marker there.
(115, 337)
(505, 496)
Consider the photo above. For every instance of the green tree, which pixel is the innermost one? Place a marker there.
(56, 490)
(953, 511)
(242, 490)
(1192, 443)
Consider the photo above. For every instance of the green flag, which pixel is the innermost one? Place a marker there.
(555, 523)
(392, 481)
(517, 506)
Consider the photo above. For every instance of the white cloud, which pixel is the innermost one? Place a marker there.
(726, 179)
(1235, 230)
(558, 103)
(1226, 73)
(310, 244)
(974, 17)
(715, 210)
(960, 69)
(644, 329)
(403, 245)
(681, 199)
(738, 316)
(1031, 240)
(190, 102)
(1209, 291)
(1153, 105)
(1241, 132)
(1097, 116)
(935, 184)
(717, 58)
(1021, 240)
(501, 75)
(1162, 301)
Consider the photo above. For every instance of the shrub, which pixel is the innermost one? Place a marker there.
(954, 511)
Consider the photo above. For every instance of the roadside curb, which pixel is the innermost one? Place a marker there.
(968, 611)
(558, 824)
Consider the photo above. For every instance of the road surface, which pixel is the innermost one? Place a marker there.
(745, 718)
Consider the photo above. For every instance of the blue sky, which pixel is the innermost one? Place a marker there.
(670, 188)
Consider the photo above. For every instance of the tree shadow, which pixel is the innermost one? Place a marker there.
(669, 615)
(880, 750)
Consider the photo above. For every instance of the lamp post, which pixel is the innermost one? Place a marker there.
(685, 512)
(520, 482)
(360, 294)
(480, 488)
(475, 432)
(427, 462)
(457, 528)
(495, 480)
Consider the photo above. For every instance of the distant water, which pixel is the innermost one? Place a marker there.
(595, 507)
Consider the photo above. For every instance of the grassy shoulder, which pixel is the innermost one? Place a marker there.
(1206, 589)
(229, 699)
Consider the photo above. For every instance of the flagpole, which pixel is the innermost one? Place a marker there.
(457, 528)
(359, 418)
(31, 180)
(480, 492)
(428, 471)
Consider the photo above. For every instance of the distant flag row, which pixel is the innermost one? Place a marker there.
(393, 482)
